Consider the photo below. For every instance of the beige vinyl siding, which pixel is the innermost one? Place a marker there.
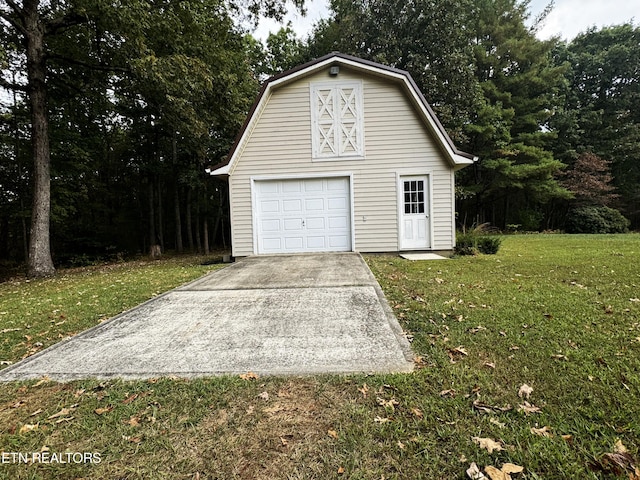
(396, 140)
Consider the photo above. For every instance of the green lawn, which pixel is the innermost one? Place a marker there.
(559, 314)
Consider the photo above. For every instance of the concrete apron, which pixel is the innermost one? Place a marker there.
(294, 314)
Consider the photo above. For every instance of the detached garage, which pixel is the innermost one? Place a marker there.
(341, 154)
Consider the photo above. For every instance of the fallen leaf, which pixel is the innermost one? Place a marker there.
(401, 445)
(137, 439)
(264, 396)
(27, 427)
(130, 398)
(490, 365)
(63, 412)
(417, 412)
(474, 473)
(619, 447)
(439, 280)
(460, 350)
(101, 411)
(340, 470)
(284, 441)
(528, 408)
(488, 444)
(134, 422)
(525, 391)
(495, 474)
(64, 419)
(477, 329)
(448, 393)
(484, 408)
(332, 433)
(495, 421)
(543, 432)
(559, 356)
(364, 390)
(36, 412)
(79, 393)
(249, 376)
(381, 420)
(45, 379)
(387, 403)
(514, 347)
(512, 468)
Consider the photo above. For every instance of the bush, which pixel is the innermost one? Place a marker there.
(466, 244)
(596, 220)
(470, 243)
(489, 245)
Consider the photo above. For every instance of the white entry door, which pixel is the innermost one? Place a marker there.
(415, 225)
(303, 215)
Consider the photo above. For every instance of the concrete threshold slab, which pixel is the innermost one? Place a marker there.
(423, 256)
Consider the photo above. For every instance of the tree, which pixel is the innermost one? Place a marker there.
(590, 181)
(516, 175)
(32, 32)
(427, 38)
(600, 112)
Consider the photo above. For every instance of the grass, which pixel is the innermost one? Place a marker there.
(558, 313)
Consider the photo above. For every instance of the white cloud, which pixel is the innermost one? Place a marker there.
(302, 25)
(567, 19)
(571, 17)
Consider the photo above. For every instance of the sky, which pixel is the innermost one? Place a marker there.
(567, 19)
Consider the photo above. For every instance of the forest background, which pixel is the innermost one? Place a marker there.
(111, 111)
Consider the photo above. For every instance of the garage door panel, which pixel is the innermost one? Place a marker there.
(293, 224)
(292, 186)
(316, 243)
(270, 206)
(293, 243)
(314, 185)
(338, 241)
(339, 184)
(316, 223)
(271, 245)
(314, 204)
(272, 225)
(338, 223)
(291, 206)
(303, 215)
(337, 203)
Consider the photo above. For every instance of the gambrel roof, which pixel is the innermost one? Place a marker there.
(455, 157)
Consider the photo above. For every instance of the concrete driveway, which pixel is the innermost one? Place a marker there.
(297, 314)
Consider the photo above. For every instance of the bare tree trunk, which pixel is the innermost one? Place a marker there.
(205, 234)
(189, 226)
(198, 242)
(160, 216)
(176, 200)
(176, 197)
(40, 263)
(152, 216)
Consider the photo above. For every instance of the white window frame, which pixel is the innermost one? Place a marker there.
(318, 139)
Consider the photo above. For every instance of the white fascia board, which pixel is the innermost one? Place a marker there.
(219, 171)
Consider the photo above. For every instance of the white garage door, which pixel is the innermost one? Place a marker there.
(303, 215)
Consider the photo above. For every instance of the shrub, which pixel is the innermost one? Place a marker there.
(489, 245)
(466, 244)
(470, 243)
(594, 219)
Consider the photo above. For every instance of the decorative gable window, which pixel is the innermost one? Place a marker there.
(337, 120)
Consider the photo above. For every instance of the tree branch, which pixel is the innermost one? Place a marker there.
(69, 20)
(91, 66)
(12, 86)
(13, 22)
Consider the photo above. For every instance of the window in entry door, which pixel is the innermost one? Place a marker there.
(414, 196)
